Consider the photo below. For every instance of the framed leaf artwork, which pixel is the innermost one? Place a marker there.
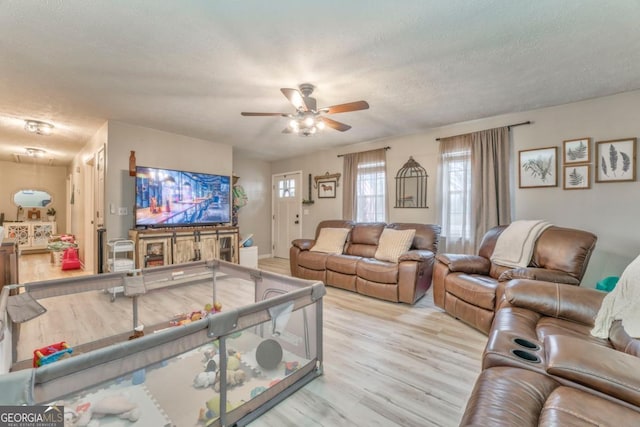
(538, 167)
(577, 150)
(616, 160)
(577, 177)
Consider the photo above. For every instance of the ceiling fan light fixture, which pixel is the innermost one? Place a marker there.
(38, 127)
(309, 121)
(320, 125)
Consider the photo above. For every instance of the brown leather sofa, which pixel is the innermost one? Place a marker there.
(507, 397)
(356, 269)
(541, 366)
(470, 287)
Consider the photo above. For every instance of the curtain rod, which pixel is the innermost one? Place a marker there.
(342, 155)
(508, 126)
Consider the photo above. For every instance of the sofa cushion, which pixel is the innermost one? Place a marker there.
(331, 240)
(518, 397)
(377, 271)
(345, 264)
(364, 239)
(394, 243)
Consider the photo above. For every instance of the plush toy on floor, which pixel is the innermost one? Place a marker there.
(234, 378)
(88, 414)
(204, 379)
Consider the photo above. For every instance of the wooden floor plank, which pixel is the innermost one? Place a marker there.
(385, 364)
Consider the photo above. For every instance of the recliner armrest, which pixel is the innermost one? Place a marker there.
(555, 299)
(470, 264)
(303, 244)
(600, 368)
(534, 273)
(418, 255)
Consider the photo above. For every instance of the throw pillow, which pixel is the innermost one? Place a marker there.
(394, 243)
(331, 240)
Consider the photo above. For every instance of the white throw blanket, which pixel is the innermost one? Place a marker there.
(623, 303)
(514, 247)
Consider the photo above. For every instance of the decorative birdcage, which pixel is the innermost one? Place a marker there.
(411, 185)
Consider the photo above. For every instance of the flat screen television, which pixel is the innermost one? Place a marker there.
(173, 198)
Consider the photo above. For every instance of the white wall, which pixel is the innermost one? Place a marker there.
(255, 217)
(153, 148)
(609, 210)
(22, 176)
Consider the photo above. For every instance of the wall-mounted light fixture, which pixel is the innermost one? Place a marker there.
(38, 127)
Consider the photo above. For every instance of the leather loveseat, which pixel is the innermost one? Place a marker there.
(354, 266)
(470, 287)
(541, 365)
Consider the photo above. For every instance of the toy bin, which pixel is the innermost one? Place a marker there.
(50, 353)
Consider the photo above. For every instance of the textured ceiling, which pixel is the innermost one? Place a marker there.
(190, 67)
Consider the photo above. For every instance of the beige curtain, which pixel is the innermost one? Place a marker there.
(350, 174)
(474, 191)
(491, 199)
(362, 198)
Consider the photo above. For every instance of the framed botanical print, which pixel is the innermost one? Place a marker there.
(327, 189)
(616, 160)
(577, 177)
(577, 151)
(538, 167)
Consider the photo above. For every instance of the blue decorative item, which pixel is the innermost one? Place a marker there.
(607, 284)
(248, 242)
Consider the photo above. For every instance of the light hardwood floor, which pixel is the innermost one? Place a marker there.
(385, 364)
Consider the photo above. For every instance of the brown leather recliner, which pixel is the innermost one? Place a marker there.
(541, 366)
(470, 287)
(356, 268)
(537, 311)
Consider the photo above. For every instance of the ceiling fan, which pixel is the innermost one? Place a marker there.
(308, 119)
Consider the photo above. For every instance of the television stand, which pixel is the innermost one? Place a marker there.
(177, 245)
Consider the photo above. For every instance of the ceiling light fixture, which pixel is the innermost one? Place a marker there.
(306, 124)
(35, 152)
(38, 127)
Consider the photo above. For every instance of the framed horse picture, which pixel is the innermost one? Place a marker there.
(327, 189)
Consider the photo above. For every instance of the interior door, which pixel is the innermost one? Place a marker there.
(98, 202)
(287, 212)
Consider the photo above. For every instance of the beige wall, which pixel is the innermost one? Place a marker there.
(20, 176)
(609, 210)
(153, 148)
(81, 213)
(255, 217)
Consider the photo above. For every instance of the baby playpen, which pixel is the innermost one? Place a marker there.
(206, 367)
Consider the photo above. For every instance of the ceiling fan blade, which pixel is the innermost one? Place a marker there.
(334, 124)
(344, 108)
(244, 113)
(295, 97)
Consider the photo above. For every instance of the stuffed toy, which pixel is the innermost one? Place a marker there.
(117, 405)
(234, 378)
(204, 379)
(208, 415)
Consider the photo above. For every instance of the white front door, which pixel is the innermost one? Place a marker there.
(287, 211)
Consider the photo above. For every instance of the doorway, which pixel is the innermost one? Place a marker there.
(287, 212)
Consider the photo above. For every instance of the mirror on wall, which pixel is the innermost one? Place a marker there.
(32, 198)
